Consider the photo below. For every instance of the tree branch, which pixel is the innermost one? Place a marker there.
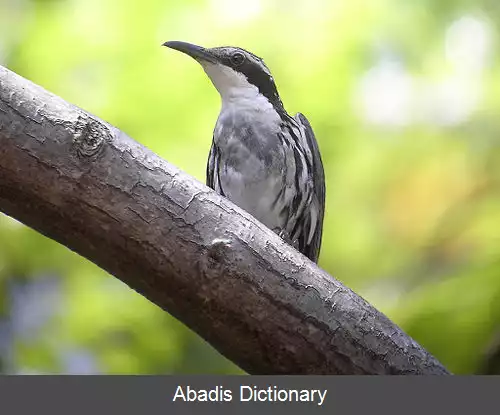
(85, 184)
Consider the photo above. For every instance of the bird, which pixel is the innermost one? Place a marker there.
(262, 159)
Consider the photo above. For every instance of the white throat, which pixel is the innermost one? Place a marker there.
(236, 92)
(228, 82)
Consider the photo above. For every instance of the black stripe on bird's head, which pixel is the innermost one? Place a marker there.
(219, 62)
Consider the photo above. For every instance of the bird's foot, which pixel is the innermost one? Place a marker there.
(283, 234)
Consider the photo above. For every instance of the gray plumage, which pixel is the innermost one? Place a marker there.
(262, 159)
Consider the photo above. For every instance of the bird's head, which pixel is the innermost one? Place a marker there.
(233, 71)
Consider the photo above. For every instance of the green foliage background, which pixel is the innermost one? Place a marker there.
(404, 97)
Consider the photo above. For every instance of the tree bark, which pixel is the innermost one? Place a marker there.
(85, 184)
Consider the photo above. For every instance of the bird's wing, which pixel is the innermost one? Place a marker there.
(315, 214)
(213, 170)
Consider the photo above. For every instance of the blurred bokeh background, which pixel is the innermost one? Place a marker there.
(404, 97)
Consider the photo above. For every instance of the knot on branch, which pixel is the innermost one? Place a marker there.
(90, 137)
(218, 249)
(216, 254)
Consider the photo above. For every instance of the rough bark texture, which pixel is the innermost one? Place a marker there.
(82, 182)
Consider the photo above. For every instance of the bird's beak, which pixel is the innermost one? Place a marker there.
(197, 52)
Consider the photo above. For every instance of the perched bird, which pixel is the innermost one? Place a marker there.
(262, 159)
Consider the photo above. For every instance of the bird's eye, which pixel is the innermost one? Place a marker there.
(237, 58)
